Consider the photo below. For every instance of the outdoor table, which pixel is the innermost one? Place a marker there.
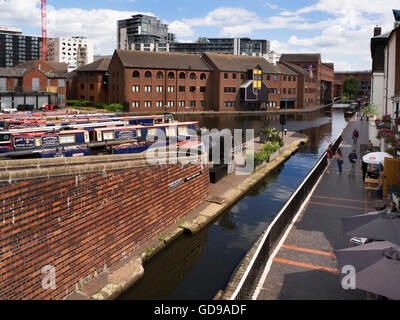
(370, 182)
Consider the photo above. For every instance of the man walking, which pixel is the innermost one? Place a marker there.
(353, 161)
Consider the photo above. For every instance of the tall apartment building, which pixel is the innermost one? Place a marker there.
(143, 33)
(147, 33)
(75, 51)
(16, 48)
(235, 46)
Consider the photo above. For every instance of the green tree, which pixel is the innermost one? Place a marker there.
(351, 86)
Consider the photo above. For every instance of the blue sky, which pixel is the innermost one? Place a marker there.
(340, 30)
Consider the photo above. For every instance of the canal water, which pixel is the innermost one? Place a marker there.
(197, 266)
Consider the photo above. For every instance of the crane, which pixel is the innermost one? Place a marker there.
(44, 31)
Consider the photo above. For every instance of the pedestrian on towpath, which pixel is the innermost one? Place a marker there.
(364, 168)
(339, 159)
(353, 161)
(329, 156)
(355, 135)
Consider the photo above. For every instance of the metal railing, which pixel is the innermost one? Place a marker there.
(254, 270)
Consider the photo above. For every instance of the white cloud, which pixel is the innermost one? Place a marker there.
(181, 29)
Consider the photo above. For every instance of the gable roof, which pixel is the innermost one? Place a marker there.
(229, 62)
(98, 65)
(283, 69)
(301, 57)
(15, 72)
(161, 60)
(295, 68)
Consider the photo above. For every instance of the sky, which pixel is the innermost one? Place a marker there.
(338, 29)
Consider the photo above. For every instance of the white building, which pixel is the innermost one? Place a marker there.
(75, 51)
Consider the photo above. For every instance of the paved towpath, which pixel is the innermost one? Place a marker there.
(305, 266)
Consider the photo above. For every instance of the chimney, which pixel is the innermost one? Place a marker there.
(377, 31)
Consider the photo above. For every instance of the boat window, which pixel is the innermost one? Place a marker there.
(38, 142)
(183, 131)
(67, 139)
(108, 135)
(170, 131)
(138, 133)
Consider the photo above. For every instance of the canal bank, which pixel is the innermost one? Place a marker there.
(112, 283)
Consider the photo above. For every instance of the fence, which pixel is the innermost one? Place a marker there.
(254, 270)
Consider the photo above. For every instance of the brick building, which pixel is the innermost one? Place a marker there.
(89, 82)
(323, 73)
(32, 83)
(307, 92)
(363, 76)
(159, 81)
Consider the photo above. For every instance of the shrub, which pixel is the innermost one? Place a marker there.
(100, 105)
(114, 107)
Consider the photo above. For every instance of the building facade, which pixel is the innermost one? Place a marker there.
(143, 33)
(35, 85)
(235, 46)
(89, 82)
(16, 48)
(322, 72)
(75, 51)
(363, 76)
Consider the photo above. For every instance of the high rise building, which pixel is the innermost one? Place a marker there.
(143, 33)
(235, 46)
(75, 51)
(16, 48)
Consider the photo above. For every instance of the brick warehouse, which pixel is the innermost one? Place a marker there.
(158, 81)
(81, 216)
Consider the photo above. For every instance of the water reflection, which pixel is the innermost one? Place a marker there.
(196, 267)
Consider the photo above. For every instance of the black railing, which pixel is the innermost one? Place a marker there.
(252, 274)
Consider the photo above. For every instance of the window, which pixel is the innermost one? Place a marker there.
(181, 103)
(294, 91)
(268, 77)
(147, 104)
(225, 76)
(148, 74)
(170, 103)
(171, 88)
(135, 88)
(135, 74)
(91, 98)
(203, 103)
(82, 86)
(91, 86)
(182, 75)
(170, 131)
(192, 88)
(233, 75)
(289, 91)
(284, 78)
(171, 75)
(135, 104)
(229, 89)
(284, 90)
(203, 76)
(183, 131)
(66, 139)
(192, 103)
(159, 88)
(242, 76)
(202, 89)
(229, 103)
(275, 78)
(181, 88)
(159, 104)
(147, 88)
(193, 76)
(160, 75)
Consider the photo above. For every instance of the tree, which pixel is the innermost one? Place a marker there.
(351, 86)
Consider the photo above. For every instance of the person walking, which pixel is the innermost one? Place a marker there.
(364, 168)
(355, 135)
(329, 156)
(353, 161)
(339, 159)
(369, 145)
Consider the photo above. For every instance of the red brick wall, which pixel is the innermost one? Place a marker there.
(79, 223)
(77, 92)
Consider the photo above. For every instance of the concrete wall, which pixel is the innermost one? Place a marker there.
(83, 216)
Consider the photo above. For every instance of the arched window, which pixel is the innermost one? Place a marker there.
(171, 75)
(147, 74)
(182, 75)
(203, 76)
(160, 75)
(135, 74)
(193, 76)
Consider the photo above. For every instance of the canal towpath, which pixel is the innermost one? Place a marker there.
(303, 265)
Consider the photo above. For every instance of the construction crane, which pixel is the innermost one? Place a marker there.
(44, 31)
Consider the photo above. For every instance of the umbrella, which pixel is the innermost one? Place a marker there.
(377, 267)
(376, 157)
(377, 226)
